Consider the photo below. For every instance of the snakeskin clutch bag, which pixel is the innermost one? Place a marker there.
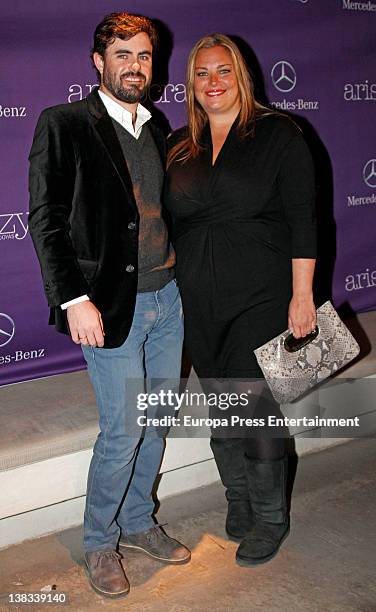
(291, 365)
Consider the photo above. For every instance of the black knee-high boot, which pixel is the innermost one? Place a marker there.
(267, 494)
(229, 457)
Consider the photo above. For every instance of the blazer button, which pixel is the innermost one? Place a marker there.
(129, 268)
(131, 225)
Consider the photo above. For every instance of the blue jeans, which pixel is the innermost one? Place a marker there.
(126, 458)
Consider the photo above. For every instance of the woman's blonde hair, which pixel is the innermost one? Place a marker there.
(197, 117)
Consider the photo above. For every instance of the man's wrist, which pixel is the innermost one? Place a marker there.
(81, 298)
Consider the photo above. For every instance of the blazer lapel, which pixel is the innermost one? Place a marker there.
(107, 133)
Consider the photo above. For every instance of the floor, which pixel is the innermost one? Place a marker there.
(327, 564)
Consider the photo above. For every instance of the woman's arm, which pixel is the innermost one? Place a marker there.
(302, 311)
(297, 188)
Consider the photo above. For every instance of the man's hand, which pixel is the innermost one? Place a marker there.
(302, 316)
(85, 324)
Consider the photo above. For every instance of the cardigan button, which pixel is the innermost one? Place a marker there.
(129, 268)
(131, 225)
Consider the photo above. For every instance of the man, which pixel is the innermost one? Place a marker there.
(96, 175)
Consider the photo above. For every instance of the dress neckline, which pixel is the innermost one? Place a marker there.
(208, 140)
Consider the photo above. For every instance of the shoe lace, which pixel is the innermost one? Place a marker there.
(155, 532)
(108, 555)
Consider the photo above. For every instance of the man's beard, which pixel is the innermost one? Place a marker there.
(130, 94)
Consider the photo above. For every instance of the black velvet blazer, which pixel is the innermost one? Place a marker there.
(83, 217)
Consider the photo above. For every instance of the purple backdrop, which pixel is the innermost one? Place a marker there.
(313, 58)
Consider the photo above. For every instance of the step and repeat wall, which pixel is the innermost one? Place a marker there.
(314, 59)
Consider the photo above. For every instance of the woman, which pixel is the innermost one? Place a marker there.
(240, 191)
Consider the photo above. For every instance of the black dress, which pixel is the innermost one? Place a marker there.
(236, 226)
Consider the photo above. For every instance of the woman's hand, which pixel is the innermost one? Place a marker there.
(302, 311)
(302, 316)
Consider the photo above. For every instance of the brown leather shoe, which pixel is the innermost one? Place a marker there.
(106, 574)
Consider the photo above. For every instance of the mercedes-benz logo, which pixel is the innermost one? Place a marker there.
(369, 173)
(7, 329)
(283, 76)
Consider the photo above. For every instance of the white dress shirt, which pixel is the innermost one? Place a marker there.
(124, 117)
